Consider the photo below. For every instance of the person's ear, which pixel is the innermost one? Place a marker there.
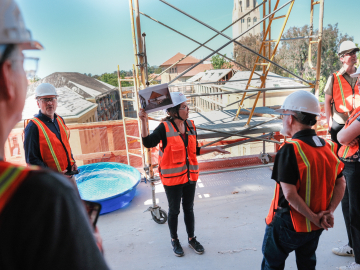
(38, 102)
(7, 86)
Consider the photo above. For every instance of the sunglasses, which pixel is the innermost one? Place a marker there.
(283, 114)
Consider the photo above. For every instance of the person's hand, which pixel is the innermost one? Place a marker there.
(98, 239)
(317, 218)
(74, 167)
(64, 171)
(327, 220)
(142, 115)
(221, 150)
(353, 142)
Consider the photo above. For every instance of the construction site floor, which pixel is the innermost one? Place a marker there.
(230, 209)
(224, 121)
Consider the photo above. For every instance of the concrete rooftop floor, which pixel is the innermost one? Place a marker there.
(230, 227)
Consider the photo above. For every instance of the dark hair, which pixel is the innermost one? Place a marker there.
(173, 113)
(7, 53)
(306, 118)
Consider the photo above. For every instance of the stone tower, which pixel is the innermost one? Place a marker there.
(241, 7)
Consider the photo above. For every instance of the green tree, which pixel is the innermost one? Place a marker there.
(242, 55)
(293, 54)
(219, 62)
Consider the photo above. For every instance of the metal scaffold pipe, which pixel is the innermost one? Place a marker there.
(140, 42)
(193, 40)
(212, 39)
(243, 90)
(231, 41)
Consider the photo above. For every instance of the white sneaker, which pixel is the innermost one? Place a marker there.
(352, 266)
(343, 251)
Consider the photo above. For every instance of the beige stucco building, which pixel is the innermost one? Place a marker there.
(241, 7)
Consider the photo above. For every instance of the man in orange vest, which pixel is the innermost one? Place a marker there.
(341, 92)
(46, 141)
(43, 223)
(309, 187)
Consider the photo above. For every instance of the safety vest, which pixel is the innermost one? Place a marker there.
(11, 177)
(53, 153)
(177, 163)
(348, 151)
(345, 98)
(318, 169)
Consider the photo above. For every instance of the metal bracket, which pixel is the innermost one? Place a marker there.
(265, 158)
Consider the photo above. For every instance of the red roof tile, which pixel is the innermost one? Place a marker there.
(199, 68)
(188, 60)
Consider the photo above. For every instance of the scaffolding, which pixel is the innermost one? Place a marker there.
(264, 61)
(265, 55)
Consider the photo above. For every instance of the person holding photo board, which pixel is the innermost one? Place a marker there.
(178, 165)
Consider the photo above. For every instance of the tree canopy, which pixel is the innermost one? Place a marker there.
(294, 54)
(219, 62)
(112, 78)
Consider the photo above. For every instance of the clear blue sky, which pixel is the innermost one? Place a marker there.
(92, 36)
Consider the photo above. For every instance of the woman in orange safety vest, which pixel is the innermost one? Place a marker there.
(349, 154)
(178, 166)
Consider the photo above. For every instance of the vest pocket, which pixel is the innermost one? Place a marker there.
(178, 154)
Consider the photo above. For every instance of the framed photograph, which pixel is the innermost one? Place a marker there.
(155, 98)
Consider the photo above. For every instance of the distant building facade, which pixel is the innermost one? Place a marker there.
(106, 96)
(181, 67)
(241, 7)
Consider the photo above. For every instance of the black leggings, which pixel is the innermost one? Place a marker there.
(335, 128)
(351, 206)
(174, 194)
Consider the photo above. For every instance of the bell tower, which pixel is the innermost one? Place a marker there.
(241, 7)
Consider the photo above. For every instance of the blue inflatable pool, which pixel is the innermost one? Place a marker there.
(111, 184)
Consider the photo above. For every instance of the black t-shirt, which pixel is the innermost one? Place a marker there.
(45, 226)
(285, 166)
(159, 134)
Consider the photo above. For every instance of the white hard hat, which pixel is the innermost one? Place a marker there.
(347, 46)
(301, 101)
(12, 27)
(45, 89)
(177, 98)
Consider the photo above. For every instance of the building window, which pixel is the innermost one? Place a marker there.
(254, 3)
(255, 20)
(248, 22)
(247, 3)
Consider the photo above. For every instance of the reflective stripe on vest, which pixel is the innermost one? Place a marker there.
(308, 180)
(10, 179)
(49, 143)
(345, 98)
(55, 153)
(348, 151)
(174, 168)
(316, 183)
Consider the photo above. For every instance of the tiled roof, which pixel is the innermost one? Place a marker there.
(85, 86)
(199, 68)
(69, 104)
(188, 60)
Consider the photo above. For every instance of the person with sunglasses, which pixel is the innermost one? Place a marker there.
(349, 153)
(341, 92)
(309, 187)
(46, 140)
(178, 166)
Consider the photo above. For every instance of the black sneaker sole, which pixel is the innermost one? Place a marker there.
(178, 255)
(197, 252)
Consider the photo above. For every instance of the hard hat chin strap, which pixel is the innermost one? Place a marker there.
(178, 114)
